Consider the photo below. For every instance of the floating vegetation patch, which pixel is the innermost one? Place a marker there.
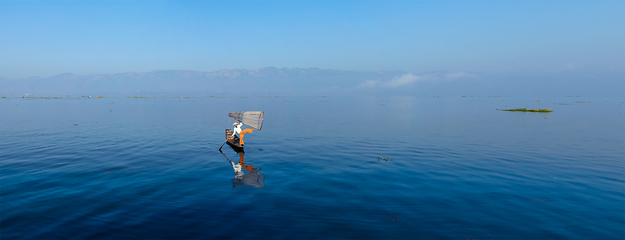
(384, 159)
(527, 110)
(156, 97)
(44, 97)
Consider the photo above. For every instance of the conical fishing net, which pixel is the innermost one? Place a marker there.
(253, 119)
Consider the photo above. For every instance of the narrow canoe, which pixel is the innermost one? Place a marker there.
(233, 141)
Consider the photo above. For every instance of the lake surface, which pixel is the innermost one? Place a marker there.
(365, 167)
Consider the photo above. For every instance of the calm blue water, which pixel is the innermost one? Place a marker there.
(135, 168)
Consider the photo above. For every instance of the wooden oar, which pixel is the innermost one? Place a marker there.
(222, 145)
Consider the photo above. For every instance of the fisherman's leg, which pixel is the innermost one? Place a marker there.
(242, 134)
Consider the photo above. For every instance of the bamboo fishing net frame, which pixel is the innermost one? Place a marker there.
(253, 119)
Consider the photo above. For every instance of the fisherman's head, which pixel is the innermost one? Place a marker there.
(235, 123)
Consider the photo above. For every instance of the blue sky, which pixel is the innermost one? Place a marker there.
(45, 38)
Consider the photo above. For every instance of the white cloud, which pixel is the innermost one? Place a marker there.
(367, 84)
(403, 80)
(409, 78)
(450, 76)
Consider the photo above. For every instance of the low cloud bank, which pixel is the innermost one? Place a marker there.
(405, 79)
(409, 79)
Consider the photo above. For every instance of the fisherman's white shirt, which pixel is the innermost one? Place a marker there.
(237, 129)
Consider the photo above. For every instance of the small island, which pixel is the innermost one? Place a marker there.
(527, 110)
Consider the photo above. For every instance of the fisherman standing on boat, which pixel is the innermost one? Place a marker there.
(237, 128)
(239, 132)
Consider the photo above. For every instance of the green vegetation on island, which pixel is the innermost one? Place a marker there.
(527, 110)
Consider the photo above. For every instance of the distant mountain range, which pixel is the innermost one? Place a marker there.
(301, 81)
(238, 81)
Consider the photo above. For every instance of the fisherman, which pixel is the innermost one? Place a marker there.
(239, 132)
(237, 128)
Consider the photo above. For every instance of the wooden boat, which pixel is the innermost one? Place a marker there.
(233, 141)
(253, 119)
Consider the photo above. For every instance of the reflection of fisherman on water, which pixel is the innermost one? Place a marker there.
(245, 174)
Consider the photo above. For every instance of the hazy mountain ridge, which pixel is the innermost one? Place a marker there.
(260, 81)
(315, 81)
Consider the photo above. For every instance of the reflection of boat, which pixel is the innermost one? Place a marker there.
(245, 174)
